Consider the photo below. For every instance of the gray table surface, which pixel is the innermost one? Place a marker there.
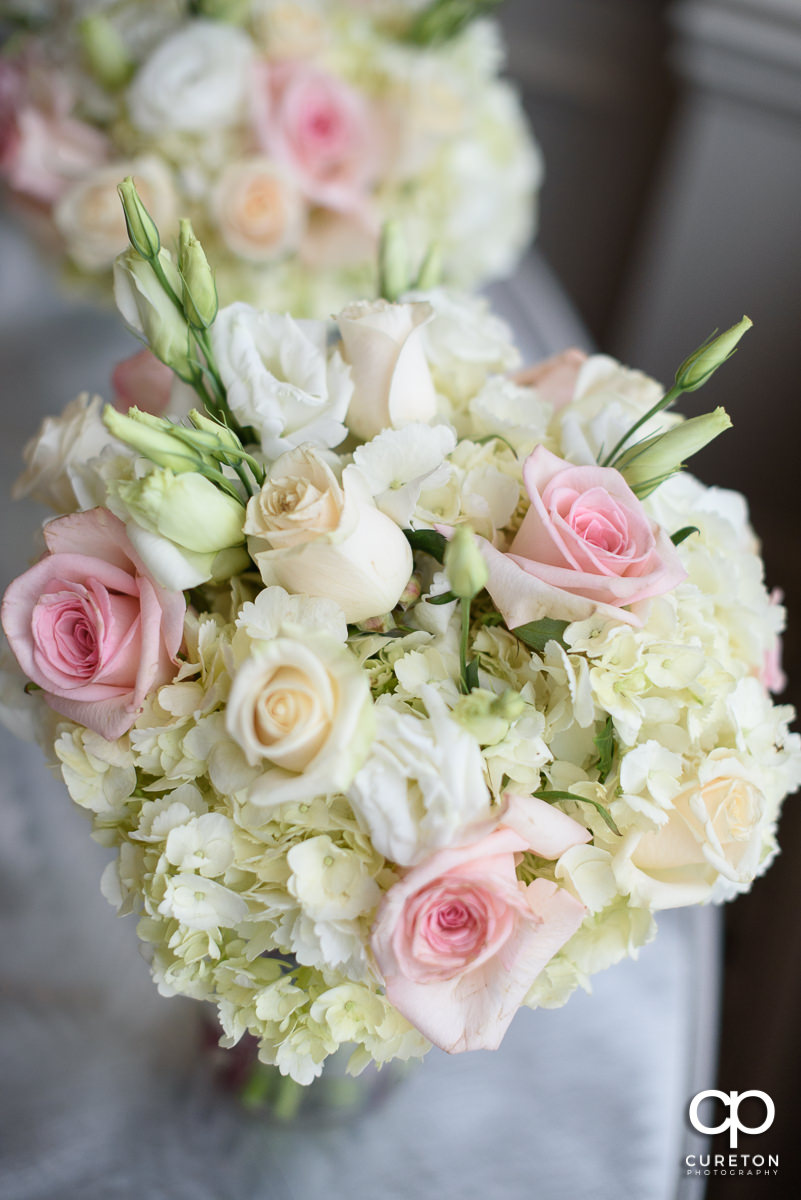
(101, 1095)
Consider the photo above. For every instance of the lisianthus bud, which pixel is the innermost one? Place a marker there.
(235, 12)
(199, 291)
(105, 51)
(430, 274)
(647, 465)
(393, 262)
(142, 229)
(185, 529)
(702, 363)
(151, 439)
(150, 312)
(441, 20)
(487, 717)
(464, 564)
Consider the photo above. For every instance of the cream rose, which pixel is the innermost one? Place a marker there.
(391, 380)
(301, 709)
(309, 533)
(259, 211)
(89, 216)
(714, 833)
(62, 444)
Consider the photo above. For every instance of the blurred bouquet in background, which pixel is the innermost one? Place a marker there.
(406, 689)
(287, 132)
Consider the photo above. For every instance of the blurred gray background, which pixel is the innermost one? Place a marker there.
(672, 205)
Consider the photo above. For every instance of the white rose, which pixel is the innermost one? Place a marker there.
(422, 785)
(309, 533)
(90, 218)
(714, 832)
(194, 81)
(392, 382)
(259, 212)
(301, 709)
(61, 444)
(279, 378)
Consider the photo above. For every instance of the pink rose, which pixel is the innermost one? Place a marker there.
(42, 148)
(321, 129)
(585, 545)
(459, 940)
(90, 626)
(554, 378)
(144, 382)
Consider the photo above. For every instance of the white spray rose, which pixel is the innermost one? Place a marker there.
(715, 832)
(309, 533)
(392, 382)
(279, 378)
(194, 81)
(62, 444)
(301, 709)
(422, 785)
(89, 215)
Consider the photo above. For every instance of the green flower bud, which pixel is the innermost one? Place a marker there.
(487, 717)
(142, 230)
(442, 20)
(234, 12)
(464, 564)
(186, 509)
(645, 466)
(703, 362)
(152, 441)
(105, 51)
(430, 273)
(198, 289)
(393, 262)
(151, 313)
(225, 439)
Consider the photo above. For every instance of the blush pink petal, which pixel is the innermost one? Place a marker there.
(142, 382)
(459, 940)
(90, 627)
(555, 378)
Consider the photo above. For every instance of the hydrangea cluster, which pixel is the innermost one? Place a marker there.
(411, 690)
(287, 132)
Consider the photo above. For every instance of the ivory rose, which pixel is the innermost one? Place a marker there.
(714, 833)
(59, 448)
(259, 212)
(320, 129)
(300, 708)
(89, 625)
(586, 544)
(309, 533)
(459, 940)
(391, 380)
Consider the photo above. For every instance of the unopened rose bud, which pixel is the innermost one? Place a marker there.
(150, 440)
(105, 51)
(702, 363)
(464, 564)
(393, 262)
(142, 229)
(645, 466)
(199, 291)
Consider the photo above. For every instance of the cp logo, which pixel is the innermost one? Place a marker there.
(732, 1100)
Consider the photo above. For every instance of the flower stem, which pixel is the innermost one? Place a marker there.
(465, 608)
(665, 402)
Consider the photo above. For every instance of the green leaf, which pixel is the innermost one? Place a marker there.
(552, 797)
(605, 745)
(683, 534)
(31, 687)
(427, 541)
(537, 634)
(443, 598)
(471, 675)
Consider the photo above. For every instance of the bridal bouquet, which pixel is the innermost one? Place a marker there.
(406, 689)
(287, 132)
